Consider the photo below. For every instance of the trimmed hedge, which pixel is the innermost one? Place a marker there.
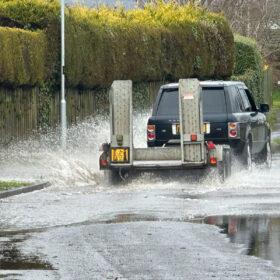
(31, 13)
(22, 57)
(160, 42)
(34, 15)
(249, 65)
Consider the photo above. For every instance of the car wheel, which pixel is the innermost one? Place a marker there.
(248, 156)
(266, 155)
(224, 167)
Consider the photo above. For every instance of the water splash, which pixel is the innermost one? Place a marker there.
(41, 158)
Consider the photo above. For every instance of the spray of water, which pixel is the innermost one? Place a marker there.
(41, 158)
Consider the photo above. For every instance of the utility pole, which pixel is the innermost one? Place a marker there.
(63, 117)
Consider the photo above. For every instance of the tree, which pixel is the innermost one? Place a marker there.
(253, 18)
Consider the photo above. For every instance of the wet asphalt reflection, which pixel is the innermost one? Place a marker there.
(260, 235)
(81, 229)
(11, 257)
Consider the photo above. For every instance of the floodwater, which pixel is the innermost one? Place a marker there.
(260, 235)
(40, 158)
(145, 228)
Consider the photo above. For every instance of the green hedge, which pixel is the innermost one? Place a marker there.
(22, 57)
(249, 65)
(160, 42)
(34, 15)
(31, 13)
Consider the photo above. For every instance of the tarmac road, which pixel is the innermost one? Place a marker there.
(152, 228)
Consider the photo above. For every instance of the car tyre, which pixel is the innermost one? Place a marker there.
(247, 156)
(224, 167)
(266, 155)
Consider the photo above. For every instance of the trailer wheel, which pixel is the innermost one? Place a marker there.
(224, 166)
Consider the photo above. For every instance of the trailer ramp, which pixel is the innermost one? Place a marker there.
(190, 152)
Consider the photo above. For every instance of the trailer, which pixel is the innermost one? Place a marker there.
(120, 158)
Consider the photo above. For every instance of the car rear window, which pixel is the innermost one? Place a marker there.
(168, 103)
(213, 102)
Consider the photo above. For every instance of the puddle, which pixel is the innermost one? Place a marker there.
(11, 258)
(259, 234)
(131, 217)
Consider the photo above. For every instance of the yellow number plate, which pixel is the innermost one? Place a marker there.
(119, 155)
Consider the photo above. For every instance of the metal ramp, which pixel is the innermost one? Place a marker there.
(191, 152)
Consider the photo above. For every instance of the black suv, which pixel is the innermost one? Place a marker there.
(229, 108)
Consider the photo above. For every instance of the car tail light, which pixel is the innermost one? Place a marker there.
(233, 130)
(151, 132)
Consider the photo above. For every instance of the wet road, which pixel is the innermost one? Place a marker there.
(152, 228)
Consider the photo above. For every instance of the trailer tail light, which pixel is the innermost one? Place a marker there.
(213, 160)
(212, 153)
(151, 132)
(210, 145)
(193, 137)
(103, 163)
(233, 130)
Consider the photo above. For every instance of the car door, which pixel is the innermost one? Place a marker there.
(261, 123)
(253, 120)
(237, 111)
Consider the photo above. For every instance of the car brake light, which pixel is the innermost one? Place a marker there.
(151, 136)
(151, 132)
(233, 130)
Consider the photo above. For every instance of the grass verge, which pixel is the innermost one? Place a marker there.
(276, 99)
(272, 116)
(7, 185)
(276, 141)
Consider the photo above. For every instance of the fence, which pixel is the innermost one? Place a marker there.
(24, 111)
